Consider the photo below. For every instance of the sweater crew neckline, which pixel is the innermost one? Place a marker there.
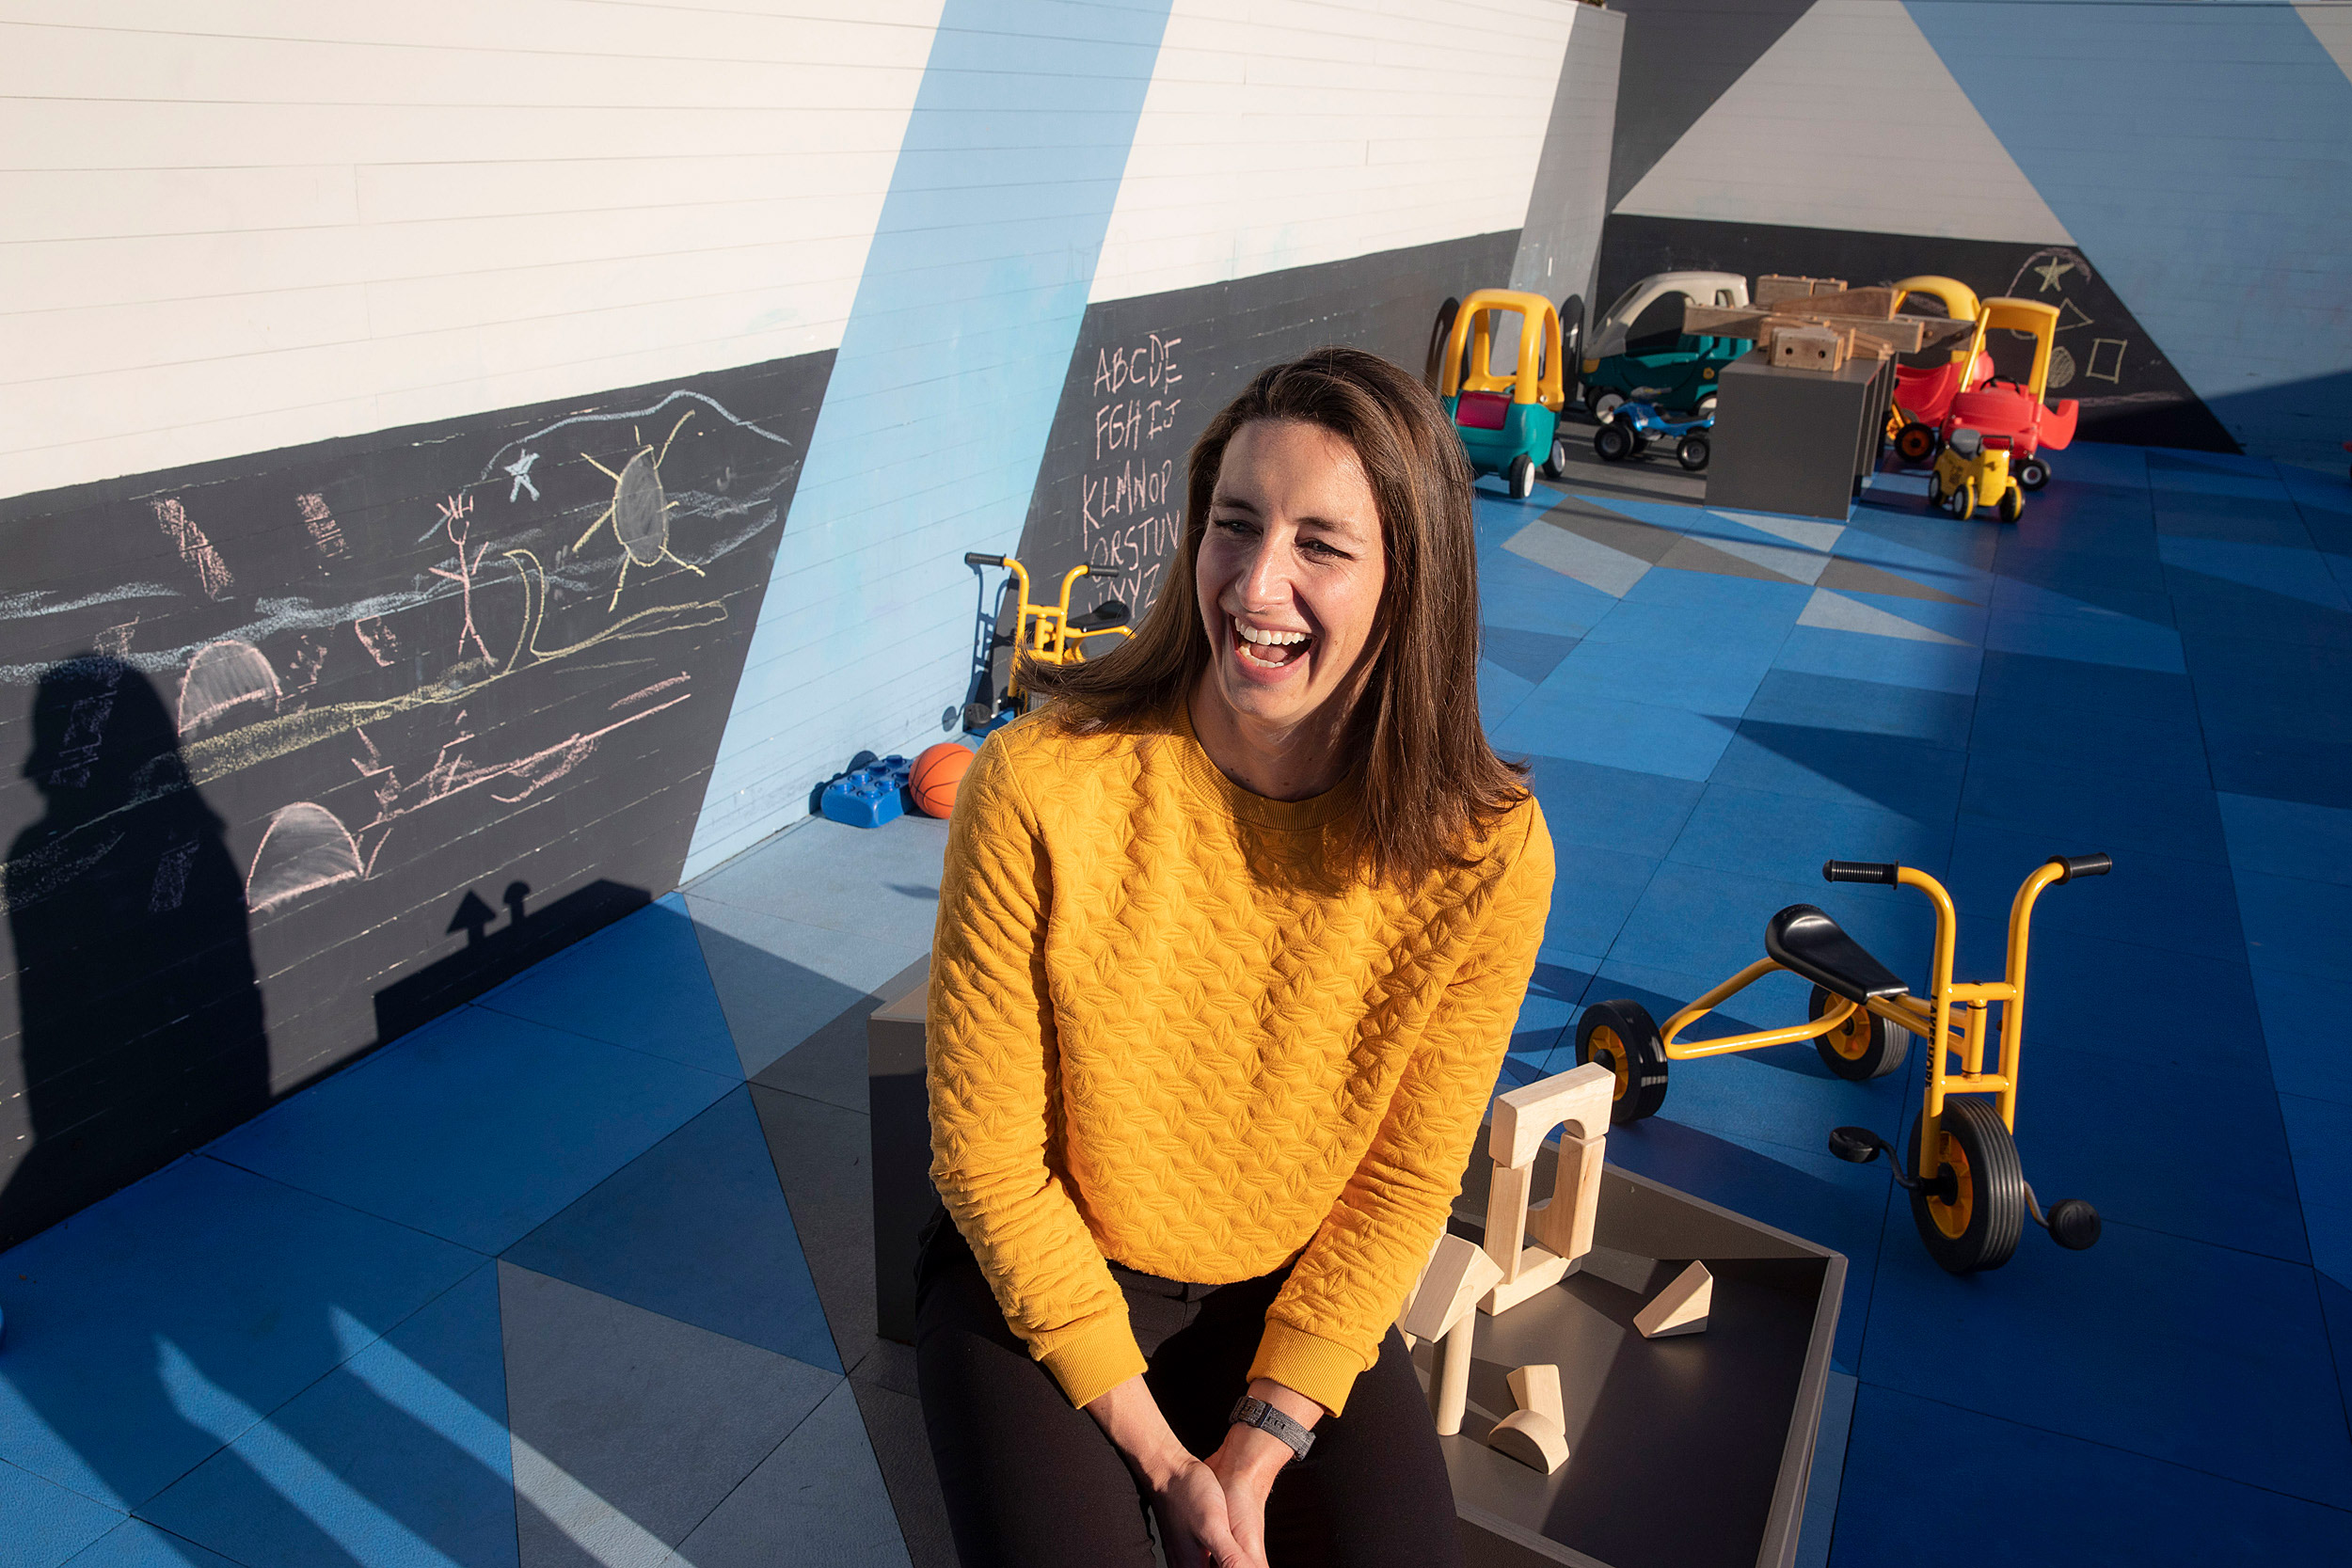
(1315, 812)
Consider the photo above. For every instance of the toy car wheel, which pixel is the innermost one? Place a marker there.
(1433, 369)
(1692, 452)
(1623, 1038)
(1961, 503)
(1601, 405)
(1521, 475)
(1572, 344)
(1865, 1046)
(2033, 473)
(1936, 492)
(1706, 410)
(1556, 466)
(1974, 1217)
(1915, 444)
(2013, 505)
(1613, 442)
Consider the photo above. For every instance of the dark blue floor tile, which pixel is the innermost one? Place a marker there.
(2119, 641)
(2277, 572)
(1946, 668)
(1697, 678)
(1910, 778)
(640, 983)
(1924, 546)
(1802, 699)
(138, 1328)
(2163, 901)
(1788, 837)
(2304, 927)
(2302, 1021)
(1709, 594)
(2292, 688)
(1540, 1036)
(2268, 520)
(2125, 584)
(2112, 523)
(695, 1228)
(45, 1523)
(2335, 1305)
(2143, 1343)
(2131, 1003)
(1592, 893)
(2282, 767)
(478, 1127)
(2169, 750)
(1500, 693)
(2051, 1501)
(1529, 655)
(1696, 921)
(399, 1455)
(2204, 607)
(2076, 811)
(2288, 838)
(2106, 464)
(1611, 808)
(2069, 683)
(1561, 720)
(136, 1544)
(2319, 1133)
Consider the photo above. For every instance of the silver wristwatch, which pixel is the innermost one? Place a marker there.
(1257, 1413)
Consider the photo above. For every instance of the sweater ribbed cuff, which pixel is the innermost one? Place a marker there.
(1323, 1369)
(1091, 1361)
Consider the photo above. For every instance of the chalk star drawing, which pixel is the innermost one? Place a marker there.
(2052, 270)
(639, 512)
(520, 468)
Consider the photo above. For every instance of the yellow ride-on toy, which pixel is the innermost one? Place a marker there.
(1043, 633)
(1973, 470)
(1968, 1192)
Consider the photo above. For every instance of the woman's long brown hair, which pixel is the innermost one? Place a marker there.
(1431, 783)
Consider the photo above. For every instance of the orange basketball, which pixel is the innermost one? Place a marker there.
(937, 772)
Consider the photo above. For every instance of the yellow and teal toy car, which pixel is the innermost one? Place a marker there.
(1509, 423)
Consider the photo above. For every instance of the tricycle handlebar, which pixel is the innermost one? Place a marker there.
(1859, 871)
(2071, 866)
(974, 558)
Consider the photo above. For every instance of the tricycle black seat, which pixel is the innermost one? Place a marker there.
(1806, 941)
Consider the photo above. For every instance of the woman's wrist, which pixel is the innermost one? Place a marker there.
(1130, 1418)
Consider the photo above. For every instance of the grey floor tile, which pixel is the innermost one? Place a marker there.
(889, 1364)
(831, 1064)
(818, 1499)
(780, 980)
(630, 1428)
(822, 1161)
(893, 1424)
(880, 882)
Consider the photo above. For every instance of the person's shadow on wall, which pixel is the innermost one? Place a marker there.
(142, 1026)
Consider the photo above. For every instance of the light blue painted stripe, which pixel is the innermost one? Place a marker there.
(2201, 156)
(942, 396)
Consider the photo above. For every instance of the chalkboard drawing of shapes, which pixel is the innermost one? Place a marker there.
(304, 848)
(639, 512)
(221, 677)
(2107, 359)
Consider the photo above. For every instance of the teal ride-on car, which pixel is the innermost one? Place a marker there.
(1510, 423)
(1638, 352)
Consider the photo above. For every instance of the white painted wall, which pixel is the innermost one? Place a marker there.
(238, 225)
(1285, 132)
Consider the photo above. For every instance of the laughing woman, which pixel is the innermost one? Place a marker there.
(1230, 942)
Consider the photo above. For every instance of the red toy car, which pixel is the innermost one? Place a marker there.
(2008, 413)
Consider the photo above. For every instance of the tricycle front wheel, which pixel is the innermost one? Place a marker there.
(1974, 1218)
(1623, 1038)
(1865, 1046)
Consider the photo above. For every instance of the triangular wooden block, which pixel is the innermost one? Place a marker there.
(1457, 1275)
(1682, 1308)
(1531, 1437)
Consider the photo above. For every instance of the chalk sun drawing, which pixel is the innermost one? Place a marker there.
(304, 848)
(639, 512)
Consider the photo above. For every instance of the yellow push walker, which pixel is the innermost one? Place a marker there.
(1969, 1198)
(1044, 633)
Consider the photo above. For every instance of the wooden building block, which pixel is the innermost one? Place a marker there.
(1564, 1225)
(1864, 304)
(1457, 1275)
(1773, 288)
(1537, 1388)
(1808, 348)
(1449, 1391)
(1406, 1304)
(1536, 1441)
(1682, 1308)
(1578, 1100)
(1506, 1229)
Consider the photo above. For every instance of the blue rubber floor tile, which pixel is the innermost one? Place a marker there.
(2212, 473)
(2125, 584)
(2136, 1005)
(1711, 593)
(2140, 1343)
(2300, 927)
(2117, 640)
(2071, 683)
(1696, 678)
(44, 1523)
(1540, 1036)
(2292, 688)
(1592, 893)
(2282, 767)
(2209, 607)
(2288, 838)
(1499, 692)
(2095, 603)
(2335, 1305)
(1788, 838)
(2301, 1017)
(2114, 523)
(640, 983)
(1697, 921)
(1565, 722)
(477, 1127)
(399, 1456)
(2278, 571)
(1674, 630)
(1785, 1098)
(134, 1544)
(2169, 751)
(1529, 655)
(1517, 594)
(1611, 808)
(1925, 547)
(1929, 667)
(781, 981)
(2319, 1136)
(2152, 901)
(139, 1328)
(2058, 1502)
(2330, 1226)
(2076, 812)
(1806, 700)
(1910, 778)
(695, 1228)
(2323, 488)
(2272, 521)
(1965, 622)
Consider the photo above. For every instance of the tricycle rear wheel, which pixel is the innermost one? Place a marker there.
(1979, 1228)
(1865, 1046)
(1622, 1037)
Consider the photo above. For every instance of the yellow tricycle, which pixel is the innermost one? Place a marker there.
(1969, 1198)
(1044, 633)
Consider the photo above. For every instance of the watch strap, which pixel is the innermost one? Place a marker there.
(1256, 1412)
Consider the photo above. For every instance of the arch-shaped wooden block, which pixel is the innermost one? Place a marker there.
(1533, 1439)
(1577, 1103)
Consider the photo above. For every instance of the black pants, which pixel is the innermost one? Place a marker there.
(1033, 1483)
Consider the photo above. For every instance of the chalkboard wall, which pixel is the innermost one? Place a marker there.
(318, 743)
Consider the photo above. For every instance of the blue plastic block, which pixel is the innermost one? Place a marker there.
(867, 797)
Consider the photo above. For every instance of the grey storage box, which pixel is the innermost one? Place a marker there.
(1796, 441)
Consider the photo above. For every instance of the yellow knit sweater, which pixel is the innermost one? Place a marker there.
(1161, 1031)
